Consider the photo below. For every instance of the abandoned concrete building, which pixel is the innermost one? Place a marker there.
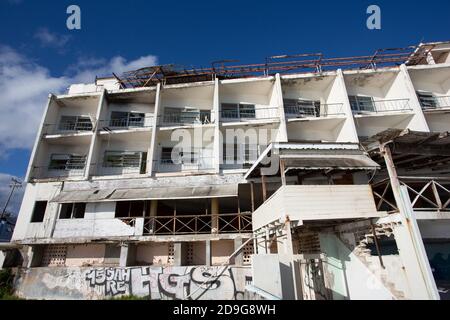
(343, 194)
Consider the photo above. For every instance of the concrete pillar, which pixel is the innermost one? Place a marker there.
(32, 256)
(151, 157)
(239, 258)
(92, 158)
(216, 110)
(282, 131)
(349, 132)
(127, 255)
(208, 253)
(153, 208)
(410, 241)
(214, 215)
(179, 253)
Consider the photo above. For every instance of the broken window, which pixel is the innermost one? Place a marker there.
(129, 209)
(39, 211)
(127, 119)
(67, 162)
(72, 211)
(361, 103)
(125, 159)
(427, 100)
(301, 108)
(75, 123)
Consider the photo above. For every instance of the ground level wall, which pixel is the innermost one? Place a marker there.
(158, 283)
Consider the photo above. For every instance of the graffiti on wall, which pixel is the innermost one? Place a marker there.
(159, 283)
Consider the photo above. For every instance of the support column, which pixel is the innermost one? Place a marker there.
(152, 150)
(239, 258)
(282, 129)
(179, 254)
(208, 253)
(264, 187)
(127, 255)
(409, 241)
(214, 215)
(217, 143)
(32, 256)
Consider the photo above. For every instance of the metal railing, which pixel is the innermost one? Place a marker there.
(377, 106)
(249, 114)
(183, 117)
(433, 103)
(325, 110)
(68, 127)
(198, 224)
(426, 194)
(127, 168)
(126, 123)
(196, 163)
(48, 172)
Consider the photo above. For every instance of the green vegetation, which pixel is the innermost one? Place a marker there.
(6, 285)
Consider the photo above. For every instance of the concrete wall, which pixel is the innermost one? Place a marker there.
(84, 255)
(347, 276)
(157, 283)
(153, 254)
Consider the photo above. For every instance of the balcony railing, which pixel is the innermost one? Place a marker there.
(126, 123)
(48, 172)
(198, 224)
(325, 110)
(172, 116)
(377, 106)
(195, 163)
(433, 103)
(426, 194)
(127, 168)
(68, 127)
(249, 114)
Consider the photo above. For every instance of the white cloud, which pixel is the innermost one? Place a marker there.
(16, 199)
(51, 39)
(85, 70)
(25, 86)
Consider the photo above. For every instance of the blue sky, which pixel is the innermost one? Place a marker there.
(38, 54)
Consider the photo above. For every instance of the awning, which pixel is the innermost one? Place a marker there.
(161, 193)
(325, 162)
(314, 156)
(93, 195)
(176, 193)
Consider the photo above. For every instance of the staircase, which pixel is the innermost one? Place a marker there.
(363, 236)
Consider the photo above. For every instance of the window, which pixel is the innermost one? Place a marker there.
(39, 211)
(72, 211)
(238, 111)
(67, 162)
(128, 209)
(75, 123)
(301, 108)
(186, 115)
(427, 100)
(166, 155)
(361, 103)
(125, 159)
(127, 119)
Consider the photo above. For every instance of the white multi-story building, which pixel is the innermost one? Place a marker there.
(278, 175)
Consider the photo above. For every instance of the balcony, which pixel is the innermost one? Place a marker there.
(247, 112)
(187, 116)
(69, 125)
(126, 121)
(173, 160)
(432, 103)
(198, 224)
(367, 105)
(311, 109)
(122, 163)
(61, 166)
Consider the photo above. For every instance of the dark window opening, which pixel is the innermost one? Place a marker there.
(75, 123)
(67, 162)
(127, 119)
(72, 211)
(39, 211)
(427, 100)
(130, 209)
